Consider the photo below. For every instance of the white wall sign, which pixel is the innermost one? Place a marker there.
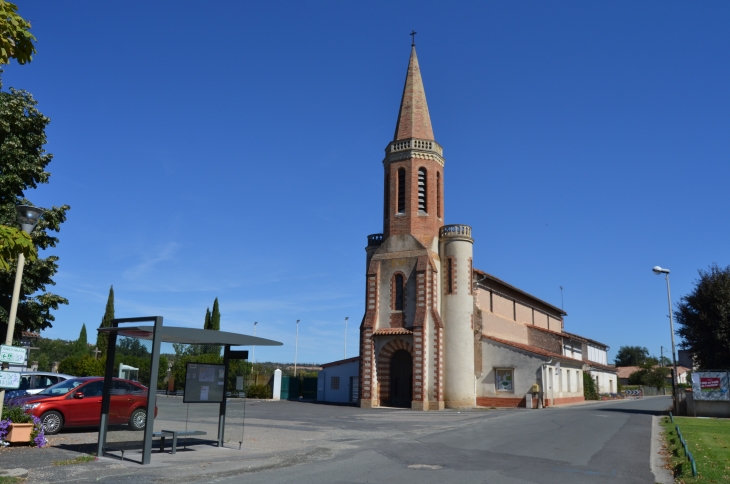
(12, 354)
(9, 379)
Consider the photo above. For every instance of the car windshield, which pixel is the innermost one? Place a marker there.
(63, 387)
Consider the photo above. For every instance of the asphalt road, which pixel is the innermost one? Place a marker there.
(314, 443)
(588, 443)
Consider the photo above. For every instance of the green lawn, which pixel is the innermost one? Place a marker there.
(709, 442)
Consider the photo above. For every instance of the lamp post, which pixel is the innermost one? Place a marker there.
(296, 345)
(658, 270)
(28, 218)
(253, 349)
(346, 318)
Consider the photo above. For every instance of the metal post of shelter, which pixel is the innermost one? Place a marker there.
(222, 412)
(151, 391)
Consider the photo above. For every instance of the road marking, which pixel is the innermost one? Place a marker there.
(425, 466)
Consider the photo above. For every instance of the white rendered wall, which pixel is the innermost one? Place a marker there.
(456, 313)
(325, 392)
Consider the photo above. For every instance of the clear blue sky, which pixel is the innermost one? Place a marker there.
(233, 150)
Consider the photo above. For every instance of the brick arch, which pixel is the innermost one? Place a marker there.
(384, 366)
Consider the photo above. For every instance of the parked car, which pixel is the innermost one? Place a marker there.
(77, 403)
(32, 382)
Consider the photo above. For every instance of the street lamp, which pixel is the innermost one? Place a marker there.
(346, 318)
(28, 218)
(658, 270)
(253, 349)
(296, 344)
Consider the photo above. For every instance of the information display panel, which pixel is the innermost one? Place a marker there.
(204, 383)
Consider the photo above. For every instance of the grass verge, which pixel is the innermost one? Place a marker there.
(10, 480)
(709, 442)
(78, 460)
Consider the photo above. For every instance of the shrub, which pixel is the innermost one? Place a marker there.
(589, 387)
(258, 391)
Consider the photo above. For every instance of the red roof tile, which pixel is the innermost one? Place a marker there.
(385, 331)
(533, 349)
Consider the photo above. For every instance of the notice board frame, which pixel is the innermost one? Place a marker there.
(217, 367)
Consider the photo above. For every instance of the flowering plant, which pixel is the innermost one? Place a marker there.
(4, 426)
(38, 436)
(15, 414)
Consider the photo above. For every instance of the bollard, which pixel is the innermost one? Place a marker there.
(670, 417)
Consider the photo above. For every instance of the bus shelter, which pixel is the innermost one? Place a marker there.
(157, 333)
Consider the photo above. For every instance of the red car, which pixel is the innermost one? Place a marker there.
(77, 403)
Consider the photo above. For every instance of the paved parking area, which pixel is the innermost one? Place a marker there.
(307, 442)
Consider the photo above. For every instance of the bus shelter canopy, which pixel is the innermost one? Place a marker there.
(191, 336)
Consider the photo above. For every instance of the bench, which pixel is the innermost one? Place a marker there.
(175, 434)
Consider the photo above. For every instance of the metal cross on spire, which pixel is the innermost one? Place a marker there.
(413, 37)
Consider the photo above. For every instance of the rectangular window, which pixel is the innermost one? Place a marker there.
(335, 383)
(568, 378)
(504, 380)
(450, 276)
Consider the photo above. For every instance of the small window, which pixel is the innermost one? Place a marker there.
(450, 275)
(335, 383)
(438, 195)
(422, 190)
(504, 380)
(402, 190)
(398, 283)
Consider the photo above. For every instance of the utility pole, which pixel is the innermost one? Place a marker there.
(346, 318)
(296, 345)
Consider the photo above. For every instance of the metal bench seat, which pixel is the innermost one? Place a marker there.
(175, 434)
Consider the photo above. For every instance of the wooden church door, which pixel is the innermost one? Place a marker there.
(401, 379)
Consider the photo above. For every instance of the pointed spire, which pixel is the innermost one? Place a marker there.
(413, 118)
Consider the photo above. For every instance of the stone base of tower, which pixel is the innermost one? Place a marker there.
(428, 405)
(469, 403)
(369, 403)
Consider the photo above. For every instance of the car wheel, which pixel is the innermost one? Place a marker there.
(138, 420)
(52, 422)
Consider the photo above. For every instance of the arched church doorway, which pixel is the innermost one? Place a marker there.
(401, 379)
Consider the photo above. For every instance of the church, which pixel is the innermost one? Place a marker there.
(438, 333)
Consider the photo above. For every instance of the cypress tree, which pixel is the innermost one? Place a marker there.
(206, 325)
(80, 347)
(215, 318)
(102, 339)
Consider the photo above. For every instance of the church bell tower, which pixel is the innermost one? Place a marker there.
(403, 338)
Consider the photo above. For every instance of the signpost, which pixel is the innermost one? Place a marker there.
(9, 379)
(12, 354)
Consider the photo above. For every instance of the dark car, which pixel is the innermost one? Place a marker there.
(77, 403)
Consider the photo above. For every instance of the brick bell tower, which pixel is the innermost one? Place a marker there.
(401, 335)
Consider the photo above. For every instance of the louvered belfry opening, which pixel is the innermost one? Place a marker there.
(386, 195)
(402, 190)
(422, 198)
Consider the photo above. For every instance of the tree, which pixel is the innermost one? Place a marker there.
(81, 346)
(703, 317)
(206, 324)
(215, 317)
(16, 42)
(631, 356)
(23, 162)
(102, 339)
(656, 377)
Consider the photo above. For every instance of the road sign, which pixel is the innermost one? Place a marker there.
(12, 354)
(9, 379)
